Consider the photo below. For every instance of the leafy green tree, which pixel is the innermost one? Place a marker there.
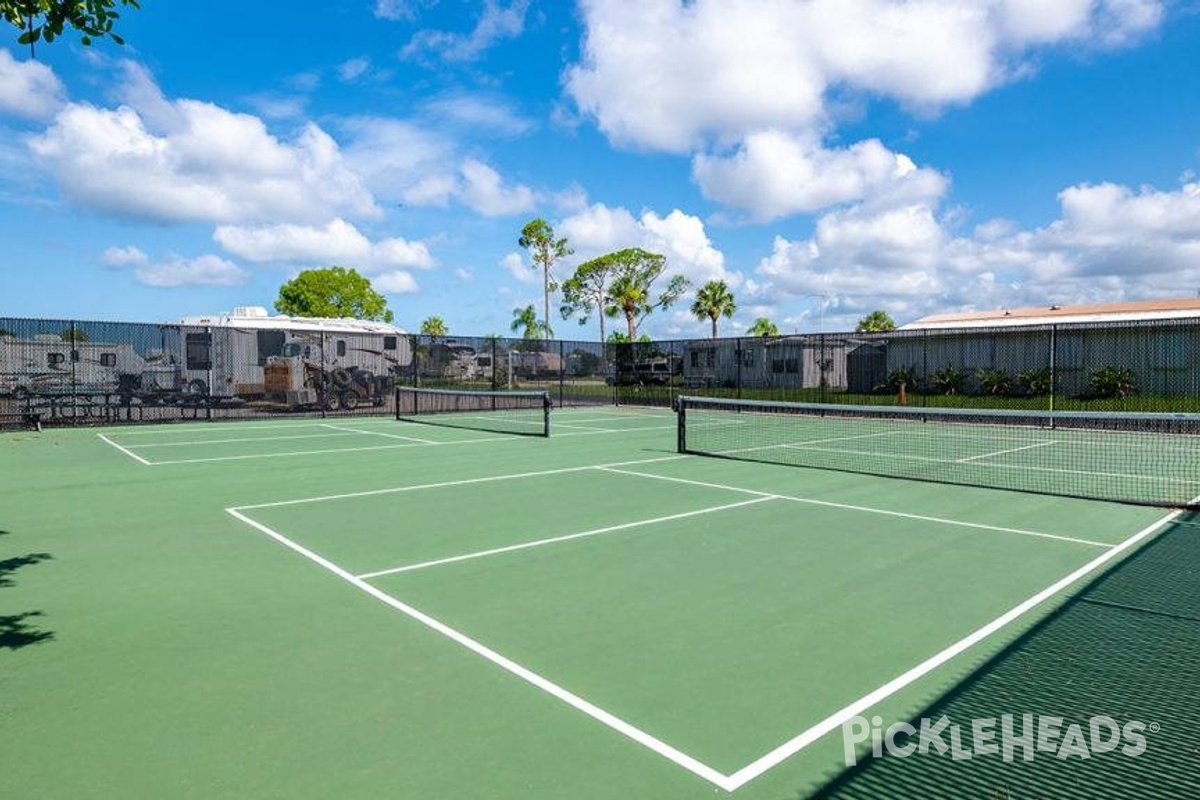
(586, 290)
(763, 327)
(616, 337)
(47, 19)
(712, 301)
(332, 292)
(876, 322)
(544, 251)
(434, 326)
(73, 334)
(526, 321)
(629, 294)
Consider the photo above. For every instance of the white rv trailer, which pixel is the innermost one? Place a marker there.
(300, 361)
(48, 364)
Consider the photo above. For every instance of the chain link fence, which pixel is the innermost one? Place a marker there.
(79, 372)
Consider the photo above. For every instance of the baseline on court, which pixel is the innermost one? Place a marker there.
(691, 561)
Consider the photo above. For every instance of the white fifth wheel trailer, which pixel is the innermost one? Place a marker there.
(48, 364)
(298, 361)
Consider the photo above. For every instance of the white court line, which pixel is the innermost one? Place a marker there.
(989, 465)
(556, 424)
(288, 454)
(1003, 452)
(864, 509)
(773, 758)
(556, 539)
(860, 706)
(801, 444)
(378, 433)
(194, 426)
(444, 484)
(291, 453)
(125, 450)
(575, 701)
(199, 442)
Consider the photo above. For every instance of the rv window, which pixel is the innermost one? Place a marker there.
(54, 359)
(793, 365)
(198, 347)
(776, 365)
(270, 343)
(108, 359)
(341, 347)
(389, 343)
(748, 357)
(74, 356)
(291, 350)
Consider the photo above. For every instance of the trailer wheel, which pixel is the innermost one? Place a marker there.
(364, 378)
(350, 400)
(332, 403)
(341, 378)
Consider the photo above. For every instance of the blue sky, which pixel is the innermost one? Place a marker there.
(824, 157)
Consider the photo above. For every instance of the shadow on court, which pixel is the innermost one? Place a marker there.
(1126, 647)
(15, 630)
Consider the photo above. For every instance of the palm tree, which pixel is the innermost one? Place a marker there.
(434, 326)
(525, 320)
(763, 327)
(544, 251)
(876, 322)
(635, 271)
(712, 301)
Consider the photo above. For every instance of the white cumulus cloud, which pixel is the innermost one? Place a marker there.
(190, 161)
(174, 270)
(681, 237)
(1109, 243)
(773, 174)
(28, 89)
(337, 242)
(484, 191)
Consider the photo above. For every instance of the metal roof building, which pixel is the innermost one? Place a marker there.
(1141, 310)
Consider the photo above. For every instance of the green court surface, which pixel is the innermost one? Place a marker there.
(371, 608)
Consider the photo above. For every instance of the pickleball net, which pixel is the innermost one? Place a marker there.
(1140, 458)
(517, 412)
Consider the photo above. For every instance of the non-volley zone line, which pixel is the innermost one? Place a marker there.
(728, 782)
(756, 497)
(976, 460)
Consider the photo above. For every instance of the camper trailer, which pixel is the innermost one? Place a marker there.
(297, 361)
(48, 364)
(534, 364)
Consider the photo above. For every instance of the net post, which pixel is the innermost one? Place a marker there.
(396, 390)
(1053, 370)
(546, 404)
(681, 424)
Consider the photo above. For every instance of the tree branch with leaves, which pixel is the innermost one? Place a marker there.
(586, 291)
(45, 20)
(629, 295)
